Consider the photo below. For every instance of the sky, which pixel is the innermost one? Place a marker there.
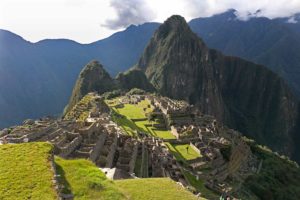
(86, 21)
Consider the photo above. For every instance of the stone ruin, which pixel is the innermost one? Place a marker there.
(207, 138)
(103, 142)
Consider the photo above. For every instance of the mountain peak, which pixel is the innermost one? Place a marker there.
(175, 22)
(175, 19)
(92, 78)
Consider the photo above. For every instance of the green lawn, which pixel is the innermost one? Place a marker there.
(165, 134)
(135, 111)
(181, 153)
(153, 189)
(127, 125)
(130, 112)
(199, 185)
(85, 181)
(25, 171)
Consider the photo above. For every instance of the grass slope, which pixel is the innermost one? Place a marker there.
(25, 172)
(154, 189)
(137, 112)
(181, 153)
(277, 179)
(85, 181)
(199, 185)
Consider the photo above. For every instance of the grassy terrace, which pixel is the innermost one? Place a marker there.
(153, 188)
(181, 153)
(85, 181)
(81, 110)
(25, 171)
(131, 114)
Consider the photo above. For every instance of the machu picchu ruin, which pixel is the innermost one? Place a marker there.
(184, 122)
(147, 136)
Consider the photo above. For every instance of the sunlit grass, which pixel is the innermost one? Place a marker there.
(85, 181)
(181, 152)
(25, 171)
(154, 189)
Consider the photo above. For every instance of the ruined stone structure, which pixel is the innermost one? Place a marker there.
(102, 141)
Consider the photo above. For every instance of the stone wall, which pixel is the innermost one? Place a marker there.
(66, 151)
(97, 149)
(111, 154)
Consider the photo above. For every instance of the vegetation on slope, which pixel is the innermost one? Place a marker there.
(81, 110)
(85, 181)
(26, 172)
(199, 185)
(153, 188)
(277, 179)
(134, 78)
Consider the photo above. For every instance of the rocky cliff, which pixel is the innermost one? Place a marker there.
(244, 95)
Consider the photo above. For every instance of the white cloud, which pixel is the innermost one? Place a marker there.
(82, 20)
(129, 12)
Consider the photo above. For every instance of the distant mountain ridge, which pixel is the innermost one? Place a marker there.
(274, 43)
(36, 79)
(33, 75)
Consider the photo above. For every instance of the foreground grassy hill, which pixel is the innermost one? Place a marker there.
(25, 172)
(85, 181)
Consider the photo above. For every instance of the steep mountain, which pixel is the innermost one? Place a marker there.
(244, 95)
(274, 43)
(92, 78)
(33, 75)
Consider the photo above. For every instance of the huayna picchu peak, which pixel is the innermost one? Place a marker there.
(184, 123)
(243, 95)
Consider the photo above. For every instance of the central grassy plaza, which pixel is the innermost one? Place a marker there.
(132, 118)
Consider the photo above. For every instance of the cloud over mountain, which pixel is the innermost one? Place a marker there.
(129, 12)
